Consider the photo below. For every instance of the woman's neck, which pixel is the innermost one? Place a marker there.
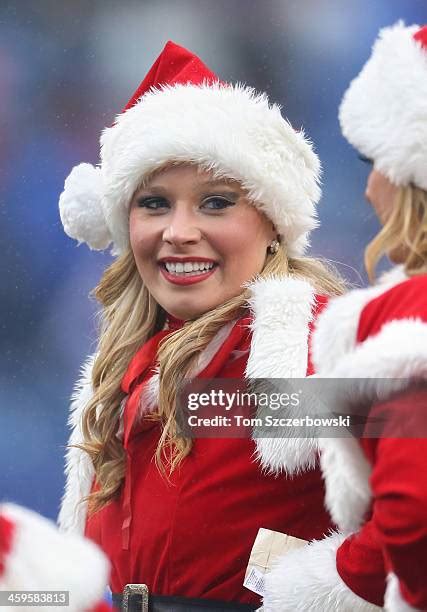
(173, 323)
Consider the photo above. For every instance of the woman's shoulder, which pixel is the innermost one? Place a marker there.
(343, 322)
(405, 302)
(380, 331)
(335, 326)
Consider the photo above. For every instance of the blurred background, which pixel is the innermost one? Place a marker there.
(66, 69)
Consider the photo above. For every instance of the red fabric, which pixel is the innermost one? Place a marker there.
(101, 606)
(192, 536)
(421, 36)
(321, 301)
(174, 65)
(6, 535)
(399, 486)
(398, 526)
(408, 300)
(360, 563)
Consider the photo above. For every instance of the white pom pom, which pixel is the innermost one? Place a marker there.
(41, 557)
(80, 207)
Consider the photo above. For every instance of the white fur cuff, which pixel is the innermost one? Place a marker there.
(306, 580)
(393, 600)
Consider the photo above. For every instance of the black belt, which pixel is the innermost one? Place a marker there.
(135, 598)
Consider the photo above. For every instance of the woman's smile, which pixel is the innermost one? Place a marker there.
(187, 270)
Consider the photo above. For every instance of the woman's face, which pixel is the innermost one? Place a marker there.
(381, 193)
(196, 239)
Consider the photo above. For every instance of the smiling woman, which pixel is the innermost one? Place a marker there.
(208, 196)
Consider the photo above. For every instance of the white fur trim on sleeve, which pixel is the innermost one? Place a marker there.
(393, 600)
(44, 559)
(377, 368)
(398, 351)
(78, 468)
(306, 580)
(346, 472)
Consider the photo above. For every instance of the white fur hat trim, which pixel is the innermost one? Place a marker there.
(384, 111)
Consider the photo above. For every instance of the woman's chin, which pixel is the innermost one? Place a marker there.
(188, 312)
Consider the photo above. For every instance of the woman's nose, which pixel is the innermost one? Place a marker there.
(181, 229)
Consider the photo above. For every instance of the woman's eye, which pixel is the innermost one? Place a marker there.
(152, 203)
(217, 203)
(365, 159)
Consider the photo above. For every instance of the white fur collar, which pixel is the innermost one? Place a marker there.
(79, 470)
(282, 310)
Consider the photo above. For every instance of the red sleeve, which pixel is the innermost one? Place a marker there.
(399, 486)
(360, 563)
(395, 538)
(320, 303)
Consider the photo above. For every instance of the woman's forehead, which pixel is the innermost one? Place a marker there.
(191, 172)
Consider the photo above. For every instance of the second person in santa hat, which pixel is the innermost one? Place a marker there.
(376, 487)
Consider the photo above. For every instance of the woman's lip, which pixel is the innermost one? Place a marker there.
(176, 279)
(164, 260)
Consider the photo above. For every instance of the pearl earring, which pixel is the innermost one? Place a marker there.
(274, 247)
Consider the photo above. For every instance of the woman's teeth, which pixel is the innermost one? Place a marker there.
(189, 268)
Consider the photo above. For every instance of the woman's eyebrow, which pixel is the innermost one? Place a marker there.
(156, 189)
(223, 182)
(229, 188)
(198, 188)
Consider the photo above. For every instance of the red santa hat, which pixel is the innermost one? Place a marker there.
(36, 556)
(384, 111)
(181, 112)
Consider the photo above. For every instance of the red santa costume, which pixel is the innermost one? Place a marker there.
(191, 537)
(36, 556)
(376, 488)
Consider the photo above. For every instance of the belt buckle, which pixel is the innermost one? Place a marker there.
(135, 589)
